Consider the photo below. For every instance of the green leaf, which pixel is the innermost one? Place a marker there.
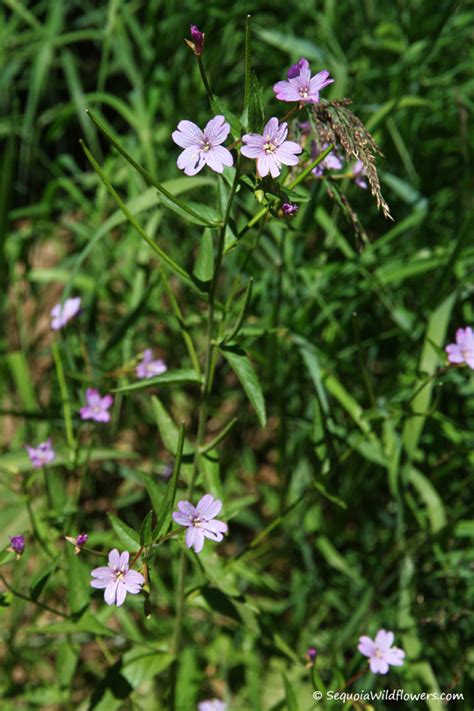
(39, 580)
(204, 267)
(169, 432)
(430, 497)
(256, 116)
(291, 700)
(164, 193)
(166, 509)
(127, 535)
(146, 530)
(196, 212)
(235, 123)
(171, 377)
(435, 334)
(170, 263)
(138, 667)
(78, 582)
(243, 369)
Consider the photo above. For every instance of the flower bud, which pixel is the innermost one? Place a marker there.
(197, 40)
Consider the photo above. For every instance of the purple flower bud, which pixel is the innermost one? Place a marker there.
(81, 539)
(295, 69)
(17, 544)
(198, 39)
(289, 208)
(312, 653)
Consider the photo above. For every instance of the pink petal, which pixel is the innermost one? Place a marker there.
(92, 397)
(124, 558)
(114, 558)
(251, 151)
(217, 158)
(100, 583)
(198, 540)
(181, 519)
(285, 91)
(395, 656)
(215, 526)
(188, 134)
(107, 401)
(263, 165)
(110, 592)
(187, 508)
(121, 593)
(190, 536)
(366, 646)
(191, 160)
(217, 130)
(102, 572)
(378, 666)
(133, 577)
(271, 127)
(281, 133)
(208, 507)
(384, 639)
(274, 165)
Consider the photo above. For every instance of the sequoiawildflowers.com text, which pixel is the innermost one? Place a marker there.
(388, 695)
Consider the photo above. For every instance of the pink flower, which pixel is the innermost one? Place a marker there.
(203, 147)
(212, 705)
(380, 652)
(199, 521)
(358, 171)
(331, 162)
(117, 579)
(42, 454)
(97, 407)
(271, 150)
(148, 368)
(301, 86)
(62, 313)
(463, 350)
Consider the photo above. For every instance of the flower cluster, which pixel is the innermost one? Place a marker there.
(270, 149)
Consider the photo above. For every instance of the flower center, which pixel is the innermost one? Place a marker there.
(96, 409)
(205, 146)
(378, 654)
(467, 353)
(269, 146)
(196, 521)
(303, 92)
(119, 573)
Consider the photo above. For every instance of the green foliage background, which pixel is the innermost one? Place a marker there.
(366, 462)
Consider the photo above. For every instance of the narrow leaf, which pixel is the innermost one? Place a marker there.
(204, 267)
(243, 369)
(127, 535)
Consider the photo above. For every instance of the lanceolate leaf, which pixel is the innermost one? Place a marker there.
(165, 194)
(171, 377)
(243, 369)
(127, 535)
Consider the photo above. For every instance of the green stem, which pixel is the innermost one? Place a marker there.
(204, 78)
(202, 421)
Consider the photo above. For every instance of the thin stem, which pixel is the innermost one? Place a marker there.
(204, 78)
(35, 602)
(202, 420)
